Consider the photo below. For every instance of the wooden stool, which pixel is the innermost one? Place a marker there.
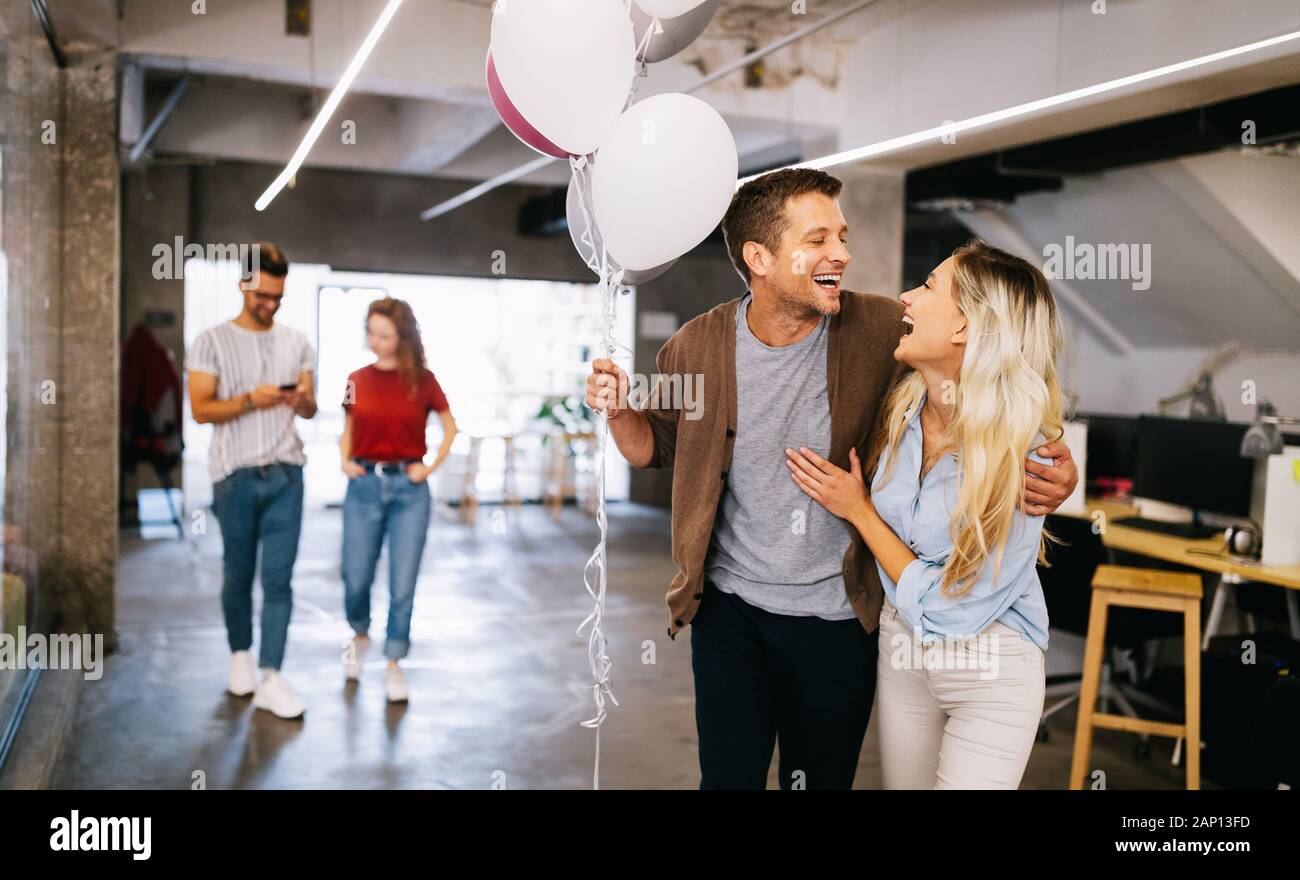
(1159, 591)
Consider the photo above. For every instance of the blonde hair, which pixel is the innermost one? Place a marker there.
(1007, 395)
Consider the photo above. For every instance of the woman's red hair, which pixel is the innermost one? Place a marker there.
(411, 365)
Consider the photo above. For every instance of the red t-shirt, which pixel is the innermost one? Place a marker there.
(387, 423)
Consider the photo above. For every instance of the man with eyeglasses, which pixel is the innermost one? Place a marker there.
(249, 377)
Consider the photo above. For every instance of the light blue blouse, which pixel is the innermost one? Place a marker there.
(920, 516)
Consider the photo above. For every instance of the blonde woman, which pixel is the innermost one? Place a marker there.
(964, 627)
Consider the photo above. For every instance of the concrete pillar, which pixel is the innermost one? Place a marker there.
(155, 210)
(60, 237)
(89, 354)
(873, 206)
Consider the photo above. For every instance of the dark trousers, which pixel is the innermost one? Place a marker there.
(762, 679)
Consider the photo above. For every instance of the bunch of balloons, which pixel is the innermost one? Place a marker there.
(651, 179)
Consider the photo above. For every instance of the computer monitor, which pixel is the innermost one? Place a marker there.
(1194, 463)
(1111, 442)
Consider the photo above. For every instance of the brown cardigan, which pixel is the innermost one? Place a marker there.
(860, 369)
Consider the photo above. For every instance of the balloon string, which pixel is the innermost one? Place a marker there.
(641, 50)
(644, 46)
(596, 259)
(595, 573)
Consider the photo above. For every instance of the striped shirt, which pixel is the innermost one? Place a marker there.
(242, 360)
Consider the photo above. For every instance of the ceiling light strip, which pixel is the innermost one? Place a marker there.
(893, 144)
(331, 104)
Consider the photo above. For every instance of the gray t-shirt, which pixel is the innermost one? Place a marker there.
(772, 545)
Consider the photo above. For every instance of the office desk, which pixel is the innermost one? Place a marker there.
(1199, 554)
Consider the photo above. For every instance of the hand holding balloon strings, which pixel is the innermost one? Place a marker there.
(562, 75)
(597, 645)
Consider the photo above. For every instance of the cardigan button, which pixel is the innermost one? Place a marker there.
(678, 623)
(724, 475)
(731, 433)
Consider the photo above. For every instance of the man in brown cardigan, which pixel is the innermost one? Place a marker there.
(783, 599)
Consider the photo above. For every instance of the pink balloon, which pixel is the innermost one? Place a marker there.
(514, 120)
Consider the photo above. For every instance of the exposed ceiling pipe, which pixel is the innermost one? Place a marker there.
(43, 16)
(156, 124)
(952, 129)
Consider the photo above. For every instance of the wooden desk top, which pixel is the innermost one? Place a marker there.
(1171, 548)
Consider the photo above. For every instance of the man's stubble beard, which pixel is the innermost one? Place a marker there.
(801, 305)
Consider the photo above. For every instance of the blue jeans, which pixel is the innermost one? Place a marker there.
(377, 505)
(259, 505)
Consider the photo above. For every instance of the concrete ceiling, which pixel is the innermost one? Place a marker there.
(84, 25)
(420, 107)
(253, 89)
(1222, 231)
(885, 71)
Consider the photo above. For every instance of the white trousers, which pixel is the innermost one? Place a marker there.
(962, 713)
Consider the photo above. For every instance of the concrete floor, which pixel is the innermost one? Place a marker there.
(497, 674)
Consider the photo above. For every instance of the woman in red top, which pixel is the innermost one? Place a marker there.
(383, 449)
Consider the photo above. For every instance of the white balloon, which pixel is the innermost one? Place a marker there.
(667, 8)
(664, 179)
(578, 226)
(567, 66)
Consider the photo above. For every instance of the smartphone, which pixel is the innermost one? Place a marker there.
(288, 387)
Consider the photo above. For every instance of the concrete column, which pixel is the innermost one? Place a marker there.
(89, 355)
(60, 237)
(873, 205)
(155, 210)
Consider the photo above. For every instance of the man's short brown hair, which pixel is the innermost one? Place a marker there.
(757, 211)
(265, 256)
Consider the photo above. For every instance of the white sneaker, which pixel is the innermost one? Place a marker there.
(275, 696)
(242, 679)
(352, 655)
(395, 684)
